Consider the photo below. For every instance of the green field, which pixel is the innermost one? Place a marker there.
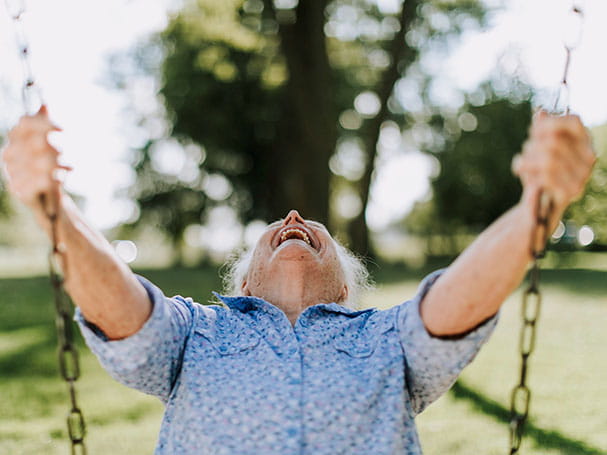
(568, 376)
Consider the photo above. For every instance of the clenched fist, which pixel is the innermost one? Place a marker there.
(557, 159)
(30, 162)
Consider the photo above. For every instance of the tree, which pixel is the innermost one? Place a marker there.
(475, 184)
(267, 89)
(591, 209)
(282, 128)
(4, 201)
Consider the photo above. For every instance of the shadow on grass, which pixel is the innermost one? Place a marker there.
(37, 358)
(549, 439)
(578, 281)
(25, 302)
(189, 282)
(571, 280)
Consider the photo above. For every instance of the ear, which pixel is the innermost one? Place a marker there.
(343, 296)
(245, 289)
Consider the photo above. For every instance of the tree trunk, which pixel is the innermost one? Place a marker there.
(402, 55)
(309, 124)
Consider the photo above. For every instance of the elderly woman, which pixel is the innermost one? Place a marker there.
(285, 365)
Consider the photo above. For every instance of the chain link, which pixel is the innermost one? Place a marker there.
(532, 301)
(69, 367)
(520, 398)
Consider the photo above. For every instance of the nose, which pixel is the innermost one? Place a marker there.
(293, 217)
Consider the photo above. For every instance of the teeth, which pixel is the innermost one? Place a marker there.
(303, 236)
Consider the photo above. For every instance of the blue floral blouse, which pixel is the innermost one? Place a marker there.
(239, 379)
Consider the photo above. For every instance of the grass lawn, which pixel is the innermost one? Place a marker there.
(568, 375)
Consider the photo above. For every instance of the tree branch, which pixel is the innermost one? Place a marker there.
(401, 56)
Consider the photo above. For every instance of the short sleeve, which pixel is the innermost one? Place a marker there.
(149, 360)
(434, 363)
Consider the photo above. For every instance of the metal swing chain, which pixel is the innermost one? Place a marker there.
(69, 367)
(532, 297)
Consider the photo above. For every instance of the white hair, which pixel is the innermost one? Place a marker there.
(356, 275)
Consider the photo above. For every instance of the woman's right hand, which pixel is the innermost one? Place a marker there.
(31, 162)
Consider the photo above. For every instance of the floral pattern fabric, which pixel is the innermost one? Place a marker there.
(239, 379)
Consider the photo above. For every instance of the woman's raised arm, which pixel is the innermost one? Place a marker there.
(99, 282)
(557, 159)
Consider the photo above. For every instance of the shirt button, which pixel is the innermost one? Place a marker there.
(295, 381)
(292, 432)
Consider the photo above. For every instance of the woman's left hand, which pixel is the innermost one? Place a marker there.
(557, 160)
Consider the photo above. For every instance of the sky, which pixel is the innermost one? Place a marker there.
(71, 40)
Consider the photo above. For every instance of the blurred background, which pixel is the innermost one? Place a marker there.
(191, 124)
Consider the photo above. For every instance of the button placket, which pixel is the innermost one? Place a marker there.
(294, 374)
(274, 328)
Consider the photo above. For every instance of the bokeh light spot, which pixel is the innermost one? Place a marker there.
(126, 250)
(253, 231)
(559, 232)
(350, 120)
(585, 235)
(467, 121)
(367, 104)
(217, 187)
(348, 204)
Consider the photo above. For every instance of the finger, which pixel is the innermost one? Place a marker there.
(27, 126)
(26, 149)
(538, 122)
(569, 146)
(569, 127)
(37, 123)
(28, 194)
(573, 123)
(516, 165)
(578, 158)
(540, 114)
(535, 165)
(588, 154)
(60, 173)
(562, 179)
(43, 112)
(550, 157)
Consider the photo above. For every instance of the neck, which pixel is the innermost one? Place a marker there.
(293, 296)
(294, 288)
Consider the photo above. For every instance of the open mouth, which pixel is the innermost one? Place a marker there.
(295, 233)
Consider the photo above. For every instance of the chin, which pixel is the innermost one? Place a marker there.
(295, 251)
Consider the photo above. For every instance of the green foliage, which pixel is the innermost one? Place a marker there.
(591, 209)
(219, 84)
(261, 90)
(5, 209)
(4, 202)
(224, 87)
(475, 184)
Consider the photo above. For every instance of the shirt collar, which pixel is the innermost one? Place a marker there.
(248, 303)
(244, 303)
